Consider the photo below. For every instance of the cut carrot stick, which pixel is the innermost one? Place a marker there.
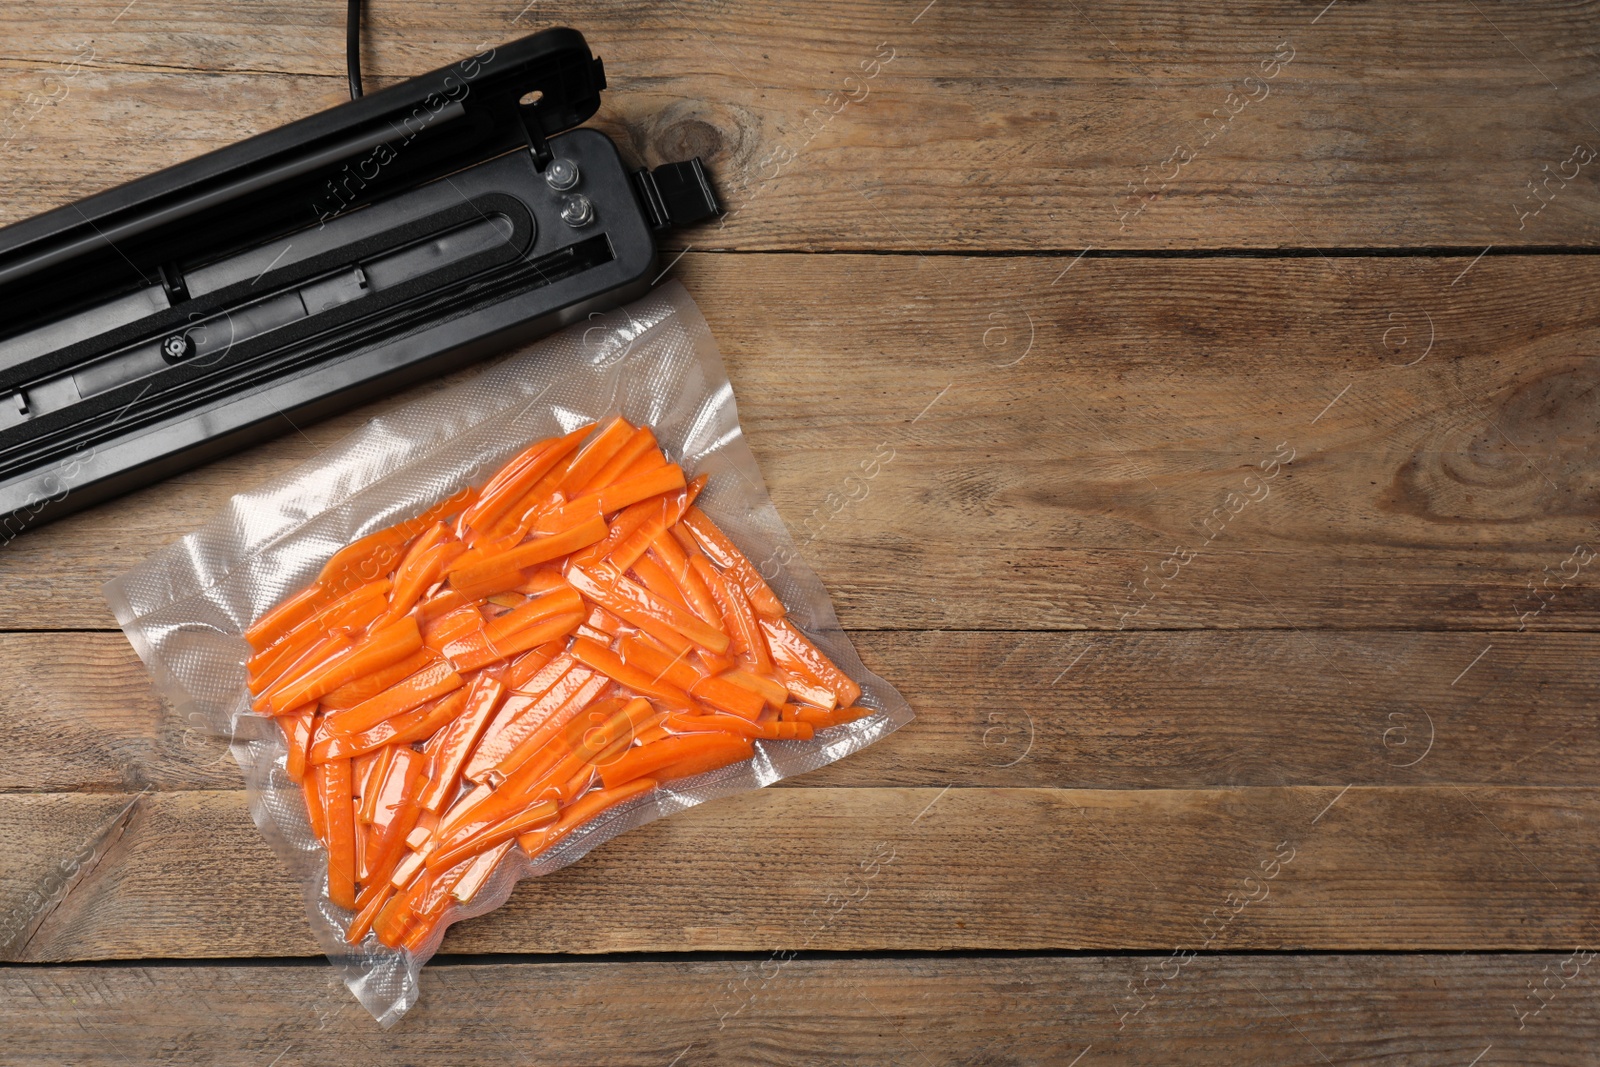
(340, 814)
(794, 652)
(377, 554)
(297, 726)
(434, 680)
(368, 686)
(640, 762)
(562, 601)
(415, 578)
(661, 516)
(385, 646)
(746, 638)
(472, 839)
(362, 923)
(514, 480)
(580, 813)
(594, 455)
(654, 577)
(458, 739)
(540, 550)
(725, 696)
(415, 725)
(805, 690)
(633, 603)
(666, 551)
(619, 495)
(658, 663)
(394, 814)
(286, 616)
(316, 813)
(642, 441)
(371, 781)
(478, 873)
(524, 720)
(770, 691)
(355, 610)
(609, 663)
(725, 555)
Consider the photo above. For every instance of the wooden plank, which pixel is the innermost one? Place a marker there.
(1059, 484)
(1442, 867)
(1283, 1011)
(1161, 709)
(1033, 128)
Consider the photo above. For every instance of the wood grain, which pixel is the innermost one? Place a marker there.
(1051, 446)
(1140, 710)
(1418, 1011)
(1035, 128)
(1436, 868)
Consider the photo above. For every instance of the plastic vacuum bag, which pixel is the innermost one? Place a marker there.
(654, 363)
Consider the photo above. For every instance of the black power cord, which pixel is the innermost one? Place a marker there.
(352, 47)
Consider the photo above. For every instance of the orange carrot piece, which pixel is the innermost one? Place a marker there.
(340, 814)
(448, 628)
(434, 680)
(394, 814)
(539, 550)
(368, 686)
(654, 577)
(666, 551)
(587, 693)
(737, 617)
(581, 812)
(594, 455)
(383, 647)
(470, 839)
(477, 650)
(794, 652)
(361, 925)
(645, 461)
(287, 615)
(375, 555)
(516, 478)
(633, 603)
(613, 666)
(768, 689)
(478, 873)
(371, 780)
(457, 740)
(537, 669)
(353, 611)
(415, 578)
(662, 516)
(621, 494)
(726, 555)
(561, 601)
(641, 762)
(324, 651)
(316, 812)
(641, 441)
(297, 726)
(700, 763)
(419, 724)
(726, 696)
(658, 663)
(518, 720)
(805, 689)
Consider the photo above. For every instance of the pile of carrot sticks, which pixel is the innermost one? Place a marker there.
(501, 670)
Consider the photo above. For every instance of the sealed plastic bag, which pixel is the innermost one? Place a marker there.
(187, 610)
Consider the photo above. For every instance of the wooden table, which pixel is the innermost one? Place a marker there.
(1238, 369)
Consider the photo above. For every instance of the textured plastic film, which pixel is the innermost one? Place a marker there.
(655, 363)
